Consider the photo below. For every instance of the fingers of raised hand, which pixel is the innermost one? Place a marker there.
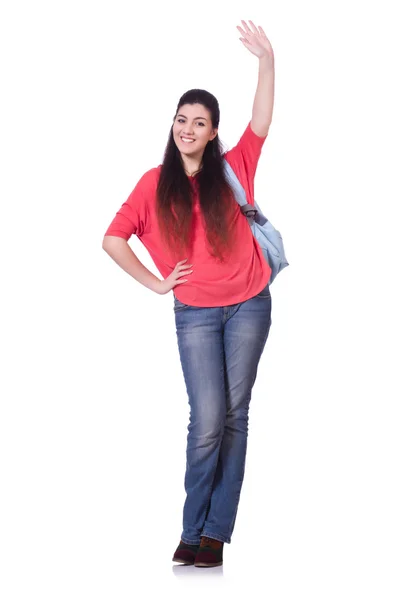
(247, 33)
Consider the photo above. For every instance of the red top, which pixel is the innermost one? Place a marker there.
(212, 283)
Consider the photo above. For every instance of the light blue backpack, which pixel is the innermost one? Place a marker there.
(269, 238)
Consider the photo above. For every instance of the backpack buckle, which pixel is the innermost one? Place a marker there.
(248, 210)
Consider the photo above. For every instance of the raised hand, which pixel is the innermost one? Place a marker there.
(255, 40)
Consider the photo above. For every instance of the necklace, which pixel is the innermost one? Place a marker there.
(191, 174)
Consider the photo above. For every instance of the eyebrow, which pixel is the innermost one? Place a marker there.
(179, 115)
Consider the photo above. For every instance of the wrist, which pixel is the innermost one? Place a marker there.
(157, 286)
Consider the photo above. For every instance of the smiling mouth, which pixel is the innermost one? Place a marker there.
(187, 140)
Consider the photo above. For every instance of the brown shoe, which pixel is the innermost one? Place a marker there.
(185, 553)
(210, 553)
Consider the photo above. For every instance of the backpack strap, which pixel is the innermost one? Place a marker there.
(268, 238)
(249, 211)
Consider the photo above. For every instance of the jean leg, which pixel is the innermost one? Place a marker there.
(245, 336)
(199, 334)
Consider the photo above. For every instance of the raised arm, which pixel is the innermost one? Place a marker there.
(255, 40)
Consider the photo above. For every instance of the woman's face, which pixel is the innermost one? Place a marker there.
(193, 121)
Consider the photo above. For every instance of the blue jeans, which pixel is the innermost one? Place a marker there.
(219, 349)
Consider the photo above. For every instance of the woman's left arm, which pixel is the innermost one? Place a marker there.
(258, 44)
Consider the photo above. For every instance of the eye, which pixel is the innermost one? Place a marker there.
(182, 120)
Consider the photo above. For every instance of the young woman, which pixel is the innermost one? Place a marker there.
(185, 214)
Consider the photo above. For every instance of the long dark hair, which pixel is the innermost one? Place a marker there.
(174, 193)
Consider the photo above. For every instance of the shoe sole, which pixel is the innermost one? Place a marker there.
(183, 562)
(203, 564)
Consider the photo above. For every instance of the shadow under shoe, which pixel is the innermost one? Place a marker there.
(185, 553)
(210, 553)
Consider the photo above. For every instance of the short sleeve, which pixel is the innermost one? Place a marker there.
(244, 158)
(133, 215)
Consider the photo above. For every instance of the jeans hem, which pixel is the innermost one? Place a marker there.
(216, 536)
(190, 542)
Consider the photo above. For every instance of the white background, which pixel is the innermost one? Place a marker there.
(94, 411)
